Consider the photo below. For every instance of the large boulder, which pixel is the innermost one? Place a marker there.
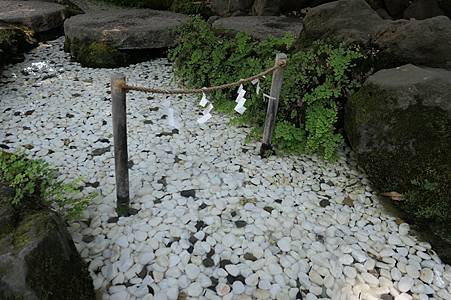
(398, 125)
(379, 7)
(349, 21)
(297, 5)
(226, 8)
(396, 7)
(423, 9)
(445, 5)
(13, 42)
(38, 259)
(71, 8)
(266, 8)
(260, 27)
(35, 15)
(420, 42)
(111, 38)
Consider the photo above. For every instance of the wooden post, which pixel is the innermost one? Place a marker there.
(273, 104)
(118, 96)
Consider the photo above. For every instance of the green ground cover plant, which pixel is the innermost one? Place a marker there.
(36, 184)
(316, 82)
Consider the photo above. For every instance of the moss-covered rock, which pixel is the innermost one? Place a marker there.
(114, 38)
(399, 126)
(95, 54)
(13, 42)
(38, 259)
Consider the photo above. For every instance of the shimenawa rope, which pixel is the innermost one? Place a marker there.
(280, 64)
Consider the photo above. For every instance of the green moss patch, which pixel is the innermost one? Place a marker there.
(96, 54)
(13, 42)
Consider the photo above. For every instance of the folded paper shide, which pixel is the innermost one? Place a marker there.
(204, 101)
(257, 83)
(206, 114)
(172, 119)
(240, 100)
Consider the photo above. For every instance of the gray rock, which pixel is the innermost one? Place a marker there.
(38, 260)
(99, 39)
(397, 122)
(423, 9)
(445, 5)
(231, 7)
(344, 20)
(396, 7)
(297, 5)
(266, 7)
(260, 27)
(419, 42)
(36, 15)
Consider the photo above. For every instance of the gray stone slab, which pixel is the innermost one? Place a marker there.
(260, 27)
(38, 16)
(126, 29)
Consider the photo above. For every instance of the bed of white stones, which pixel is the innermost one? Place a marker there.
(215, 221)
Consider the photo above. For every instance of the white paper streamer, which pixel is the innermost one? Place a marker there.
(269, 97)
(256, 82)
(239, 108)
(240, 95)
(208, 109)
(204, 118)
(206, 114)
(204, 101)
(172, 119)
(240, 88)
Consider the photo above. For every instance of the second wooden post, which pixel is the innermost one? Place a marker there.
(273, 104)
(119, 113)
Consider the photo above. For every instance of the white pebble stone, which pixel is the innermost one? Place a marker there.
(403, 296)
(395, 274)
(172, 293)
(370, 279)
(222, 289)
(238, 288)
(346, 259)
(403, 229)
(252, 280)
(350, 272)
(232, 270)
(426, 275)
(140, 236)
(122, 241)
(194, 289)
(412, 271)
(264, 284)
(192, 271)
(284, 244)
(405, 284)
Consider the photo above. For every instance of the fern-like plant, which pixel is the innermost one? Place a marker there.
(316, 82)
(35, 184)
